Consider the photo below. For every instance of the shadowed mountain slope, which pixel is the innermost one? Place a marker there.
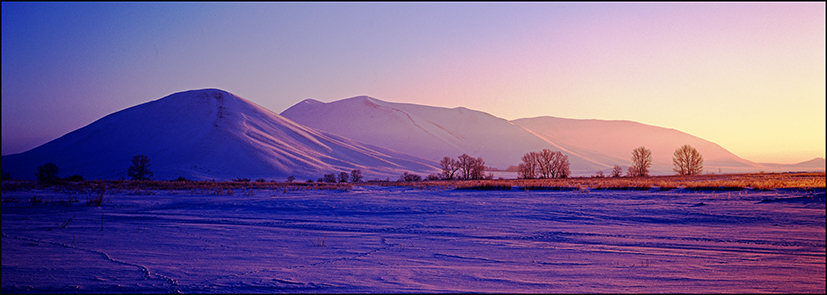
(208, 134)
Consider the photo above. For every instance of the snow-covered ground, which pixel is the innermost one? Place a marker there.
(393, 239)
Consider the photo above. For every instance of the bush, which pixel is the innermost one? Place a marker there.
(74, 178)
(408, 177)
(487, 187)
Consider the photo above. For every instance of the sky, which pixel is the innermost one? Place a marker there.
(747, 76)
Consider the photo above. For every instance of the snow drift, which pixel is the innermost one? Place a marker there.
(208, 134)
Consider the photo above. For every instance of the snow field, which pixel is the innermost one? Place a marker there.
(393, 239)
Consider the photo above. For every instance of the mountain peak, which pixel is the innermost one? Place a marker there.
(310, 101)
(207, 134)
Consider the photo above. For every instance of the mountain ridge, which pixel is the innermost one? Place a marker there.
(427, 131)
(218, 136)
(213, 134)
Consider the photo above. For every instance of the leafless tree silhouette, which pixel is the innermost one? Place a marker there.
(687, 161)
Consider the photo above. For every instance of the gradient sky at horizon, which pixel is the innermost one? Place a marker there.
(747, 76)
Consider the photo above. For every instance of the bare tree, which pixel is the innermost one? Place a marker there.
(687, 161)
(544, 164)
(465, 162)
(47, 172)
(343, 176)
(617, 171)
(329, 178)
(641, 161)
(560, 165)
(140, 168)
(478, 169)
(470, 167)
(356, 176)
(449, 167)
(528, 168)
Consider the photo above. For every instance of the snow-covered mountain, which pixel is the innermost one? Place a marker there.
(434, 132)
(209, 134)
(612, 142)
(428, 132)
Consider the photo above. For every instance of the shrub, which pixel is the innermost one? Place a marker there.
(408, 177)
(36, 200)
(74, 178)
(97, 200)
(487, 187)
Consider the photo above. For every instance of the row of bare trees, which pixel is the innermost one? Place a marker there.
(686, 160)
(464, 167)
(354, 176)
(544, 164)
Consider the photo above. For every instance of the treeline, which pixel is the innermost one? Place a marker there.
(543, 164)
(139, 170)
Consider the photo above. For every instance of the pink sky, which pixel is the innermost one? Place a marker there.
(748, 76)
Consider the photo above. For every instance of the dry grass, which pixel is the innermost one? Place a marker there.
(718, 182)
(147, 186)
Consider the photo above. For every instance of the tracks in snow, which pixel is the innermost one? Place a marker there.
(147, 274)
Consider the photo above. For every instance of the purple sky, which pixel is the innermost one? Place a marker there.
(748, 76)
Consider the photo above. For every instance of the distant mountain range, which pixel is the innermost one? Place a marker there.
(433, 132)
(213, 134)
